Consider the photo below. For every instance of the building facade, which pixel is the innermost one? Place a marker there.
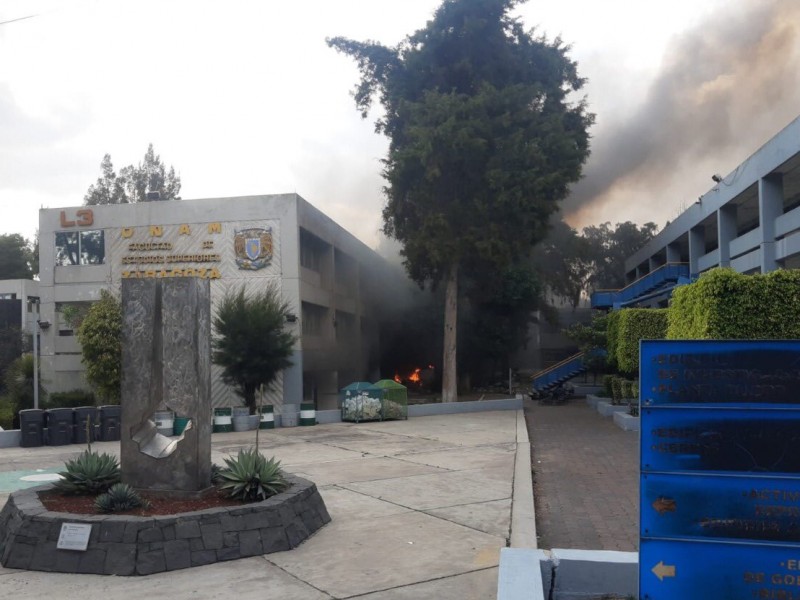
(749, 221)
(329, 278)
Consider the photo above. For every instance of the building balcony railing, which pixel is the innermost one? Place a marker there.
(663, 278)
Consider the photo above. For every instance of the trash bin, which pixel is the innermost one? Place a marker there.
(82, 415)
(110, 416)
(31, 425)
(59, 426)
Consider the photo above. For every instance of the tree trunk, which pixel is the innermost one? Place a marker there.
(449, 376)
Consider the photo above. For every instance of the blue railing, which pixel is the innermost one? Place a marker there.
(559, 373)
(662, 279)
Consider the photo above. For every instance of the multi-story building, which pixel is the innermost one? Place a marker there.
(331, 279)
(19, 301)
(749, 221)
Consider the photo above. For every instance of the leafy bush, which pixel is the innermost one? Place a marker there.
(635, 324)
(612, 335)
(616, 390)
(627, 389)
(608, 390)
(6, 413)
(251, 478)
(18, 380)
(100, 335)
(89, 474)
(723, 304)
(71, 399)
(119, 498)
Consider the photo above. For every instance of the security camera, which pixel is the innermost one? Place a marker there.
(716, 177)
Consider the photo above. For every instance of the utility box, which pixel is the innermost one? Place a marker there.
(31, 425)
(59, 426)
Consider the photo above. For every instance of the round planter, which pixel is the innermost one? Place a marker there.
(289, 415)
(267, 418)
(241, 422)
(253, 421)
(165, 421)
(308, 415)
(222, 420)
(179, 425)
(241, 411)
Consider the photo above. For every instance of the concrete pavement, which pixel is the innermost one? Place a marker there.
(420, 509)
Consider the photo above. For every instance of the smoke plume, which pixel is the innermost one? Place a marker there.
(725, 87)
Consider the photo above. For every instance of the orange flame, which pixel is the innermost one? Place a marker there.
(414, 377)
(397, 378)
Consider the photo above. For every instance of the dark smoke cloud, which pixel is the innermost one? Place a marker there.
(724, 88)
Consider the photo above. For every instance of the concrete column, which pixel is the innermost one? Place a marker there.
(641, 271)
(673, 253)
(653, 264)
(726, 232)
(697, 247)
(770, 207)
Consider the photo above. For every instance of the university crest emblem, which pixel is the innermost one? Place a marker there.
(253, 248)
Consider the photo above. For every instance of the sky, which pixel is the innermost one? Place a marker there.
(244, 97)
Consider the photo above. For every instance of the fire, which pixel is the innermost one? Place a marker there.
(397, 378)
(414, 377)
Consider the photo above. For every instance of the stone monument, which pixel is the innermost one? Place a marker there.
(166, 365)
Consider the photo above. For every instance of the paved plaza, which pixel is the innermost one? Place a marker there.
(586, 478)
(420, 509)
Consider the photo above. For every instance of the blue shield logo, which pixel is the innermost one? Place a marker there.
(252, 248)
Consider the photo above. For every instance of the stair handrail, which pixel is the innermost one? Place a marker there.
(557, 365)
(664, 266)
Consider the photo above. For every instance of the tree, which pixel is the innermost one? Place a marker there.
(608, 248)
(562, 261)
(484, 142)
(100, 336)
(134, 183)
(16, 257)
(251, 343)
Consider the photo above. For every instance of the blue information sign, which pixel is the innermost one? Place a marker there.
(677, 505)
(719, 439)
(683, 570)
(720, 470)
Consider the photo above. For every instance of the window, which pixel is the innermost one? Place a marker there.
(80, 248)
(312, 318)
(8, 296)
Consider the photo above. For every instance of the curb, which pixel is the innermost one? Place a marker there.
(523, 514)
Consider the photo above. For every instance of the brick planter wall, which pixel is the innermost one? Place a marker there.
(131, 545)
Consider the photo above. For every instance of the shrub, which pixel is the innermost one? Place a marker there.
(723, 304)
(616, 390)
(612, 333)
(608, 390)
(251, 478)
(6, 413)
(119, 498)
(637, 324)
(70, 399)
(627, 389)
(89, 474)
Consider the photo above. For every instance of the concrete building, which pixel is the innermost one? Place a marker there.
(326, 274)
(19, 301)
(749, 221)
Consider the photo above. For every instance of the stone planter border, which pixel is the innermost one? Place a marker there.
(607, 409)
(626, 422)
(132, 545)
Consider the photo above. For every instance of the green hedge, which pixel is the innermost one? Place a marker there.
(724, 304)
(71, 399)
(637, 324)
(612, 335)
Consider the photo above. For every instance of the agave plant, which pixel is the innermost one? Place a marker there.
(251, 478)
(119, 498)
(89, 474)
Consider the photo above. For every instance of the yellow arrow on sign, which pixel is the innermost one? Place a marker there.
(664, 505)
(661, 570)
